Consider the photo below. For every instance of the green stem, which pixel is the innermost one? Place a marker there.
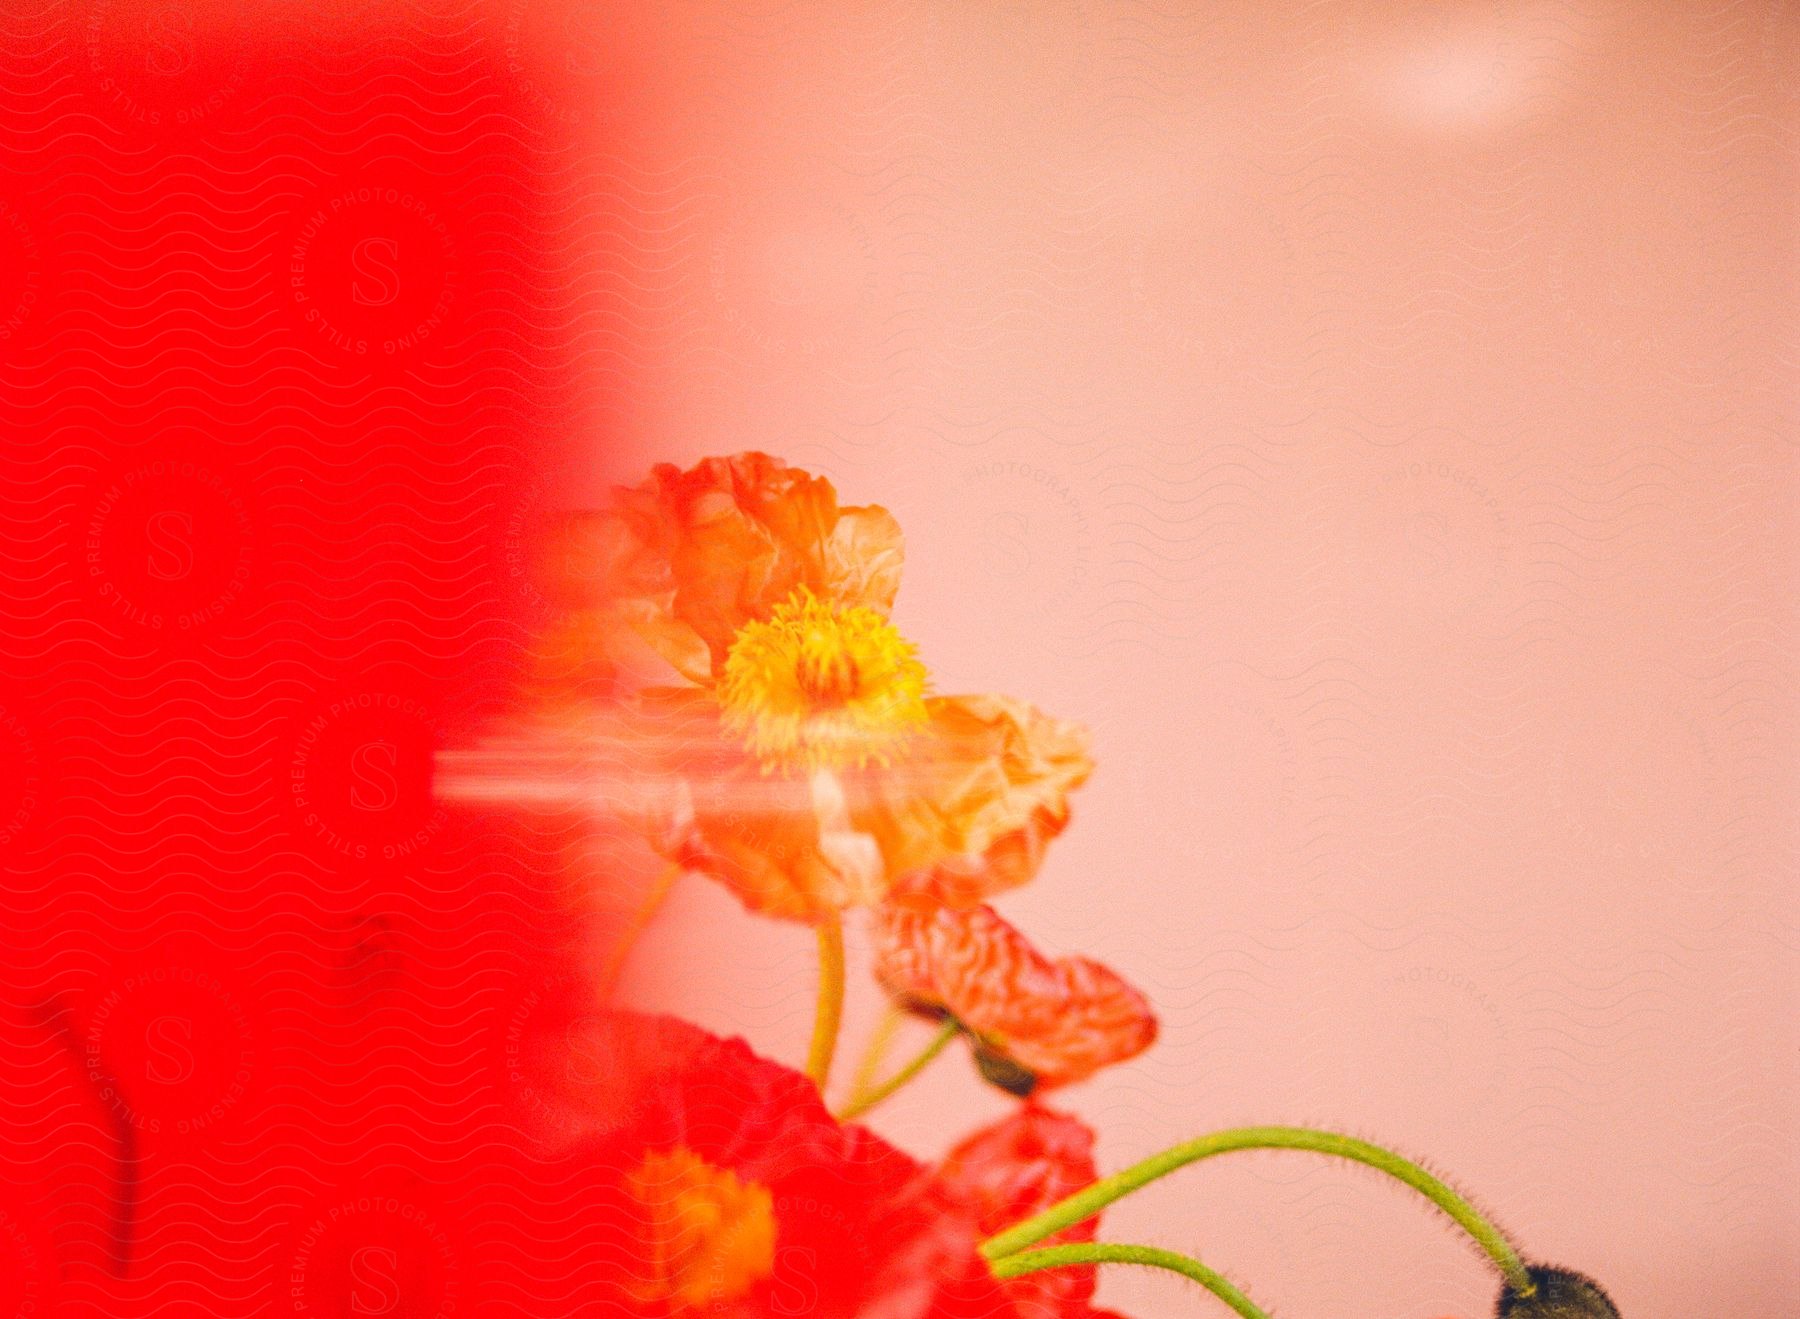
(1106, 1252)
(876, 1049)
(829, 1011)
(1091, 1200)
(862, 1103)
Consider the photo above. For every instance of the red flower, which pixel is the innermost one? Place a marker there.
(707, 1179)
(995, 1178)
(1038, 1022)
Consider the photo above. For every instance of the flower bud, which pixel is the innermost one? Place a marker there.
(1557, 1294)
(999, 1070)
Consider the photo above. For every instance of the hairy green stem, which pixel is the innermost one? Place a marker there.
(1089, 1201)
(1106, 1252)
(863, 1102)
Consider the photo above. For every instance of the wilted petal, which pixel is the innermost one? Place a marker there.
(759, 834)
(612, 589)
(978, 798)
(966, 807)
(1057, 1020)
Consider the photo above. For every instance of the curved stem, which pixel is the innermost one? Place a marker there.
(830, 1009)
(1106, 1252)
(867, 1099)
(634, 929)
(1091, 1200)
(876, 1049)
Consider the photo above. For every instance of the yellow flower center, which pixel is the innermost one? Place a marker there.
(711, 1235)
(819, 685)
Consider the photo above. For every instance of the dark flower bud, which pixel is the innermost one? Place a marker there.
(999, 1070)
(1556, 1294)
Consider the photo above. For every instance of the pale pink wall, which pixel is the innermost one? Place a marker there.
(1377, 423)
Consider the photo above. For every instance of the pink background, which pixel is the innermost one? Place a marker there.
(1376, 423)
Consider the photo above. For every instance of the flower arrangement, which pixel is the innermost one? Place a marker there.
(723, 684)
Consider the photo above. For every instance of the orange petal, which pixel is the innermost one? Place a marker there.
(1059, 1020)
(608, 580)
(966, 807)
(758, 834)
(788, 844)
(674, 567)
(971, 808)
(742, 534)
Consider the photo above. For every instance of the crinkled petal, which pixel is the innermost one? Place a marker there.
(612, 591)
(756, 833)
(742, 534)
(971, 808)
(1059, 1020)
(669, 572)
(797, 846)
(790, 844)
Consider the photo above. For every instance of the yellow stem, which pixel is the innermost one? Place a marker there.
(830, 1009)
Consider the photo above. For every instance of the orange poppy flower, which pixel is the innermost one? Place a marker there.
(677, 565)
(1038, 1022)
(808, 766)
